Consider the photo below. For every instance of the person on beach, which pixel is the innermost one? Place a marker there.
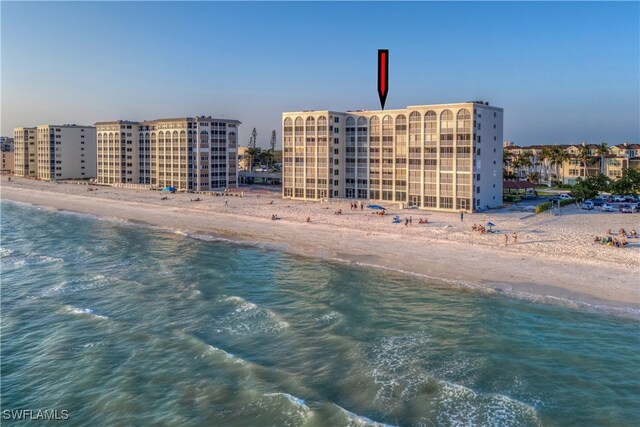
(308, 219)
(361, 206)
(410, 220)
(461, 216)
(506, 239)
(406, 222)
(633, 233)
(226, 201)
(515, 237)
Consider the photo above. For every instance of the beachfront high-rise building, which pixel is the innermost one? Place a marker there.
(120, 156)
(65, 152)
(25, 152)
(186, 153)
(443, 157)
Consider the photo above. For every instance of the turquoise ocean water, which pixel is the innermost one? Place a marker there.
(122, 324)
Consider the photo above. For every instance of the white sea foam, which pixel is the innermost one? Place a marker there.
(355, 420)
(5, 252)
(77, 285)
(398, 366)
(329, 318)
(69, 309)
(249, 318)
(459, 405)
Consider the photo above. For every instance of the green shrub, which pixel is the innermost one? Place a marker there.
(543, 207)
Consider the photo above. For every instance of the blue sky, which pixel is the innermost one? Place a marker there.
(563, 72)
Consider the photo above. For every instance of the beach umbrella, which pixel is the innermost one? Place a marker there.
(376, 207)
(169, 189)
(490, 224)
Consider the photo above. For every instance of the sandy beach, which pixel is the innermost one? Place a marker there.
(554, 260)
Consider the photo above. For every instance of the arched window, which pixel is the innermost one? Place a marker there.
(446, 115)
(322, 125)
(430, 127)
(401, 123)
(141, 136)
(350, 121)
(414, 127)
(183, 137)
(299, 125)
(288, 121)
(374, 124)
(387, 125)
(362, 121)
(446, 121)
(464, 114)
(463, 120)
(311, 125)
(160, 137)
(175, 136)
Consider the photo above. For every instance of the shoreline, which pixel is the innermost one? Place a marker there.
(590, 284)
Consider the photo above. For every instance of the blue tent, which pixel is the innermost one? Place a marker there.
(169, 189)
(376, 207)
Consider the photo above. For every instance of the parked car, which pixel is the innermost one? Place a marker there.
(607, 207)
(630, 198)
(565, 197)
(598, 202)
(637, 207)
(617, 199)
(626, 209)
(588, 205)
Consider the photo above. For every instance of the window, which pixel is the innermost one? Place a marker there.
(336, 120)
(478, 177)
(336, 172)
(336, 182)
(336, 151)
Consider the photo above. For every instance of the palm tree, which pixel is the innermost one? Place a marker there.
(545, 157)
(557, 158)
(602, 150)
(251, 154)
(533, 177)
(527, 157)
(561, 157)
(583, 156)
(516, 162)
(507, 158)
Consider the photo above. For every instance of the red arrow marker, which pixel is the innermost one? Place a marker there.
(383, 75)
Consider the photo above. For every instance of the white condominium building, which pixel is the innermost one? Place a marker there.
(121, 157)
(25, 152)
(186, 153)
(65, 151)
(442, 157)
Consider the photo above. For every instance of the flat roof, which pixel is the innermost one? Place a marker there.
(398, 110)
(117, 122)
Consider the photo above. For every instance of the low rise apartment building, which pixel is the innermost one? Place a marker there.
(25, 151)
